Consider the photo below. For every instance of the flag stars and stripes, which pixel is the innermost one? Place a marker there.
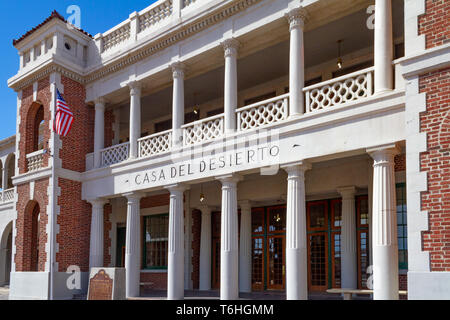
(63, 116)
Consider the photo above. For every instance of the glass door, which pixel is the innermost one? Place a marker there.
(317, 227)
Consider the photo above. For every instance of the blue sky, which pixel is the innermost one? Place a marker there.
(19, 16)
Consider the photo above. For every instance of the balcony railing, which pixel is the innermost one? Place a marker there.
(203, 130)
(115, 154)
(155, 14)
(155, 144)
(7, 195)
(263, 113)
(35, 160)
(350, 87)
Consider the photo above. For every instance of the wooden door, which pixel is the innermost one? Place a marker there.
(275, 262)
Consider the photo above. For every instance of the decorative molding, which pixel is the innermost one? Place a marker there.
(297, 18)
(230, 47)
(178, 70)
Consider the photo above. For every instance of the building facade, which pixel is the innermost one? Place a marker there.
(242, 145)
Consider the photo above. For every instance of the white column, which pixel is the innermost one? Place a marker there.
(245, 248)
(97, 238)
(230, 47)
(296, 18)
(229, 285)
(175, 269)
(99, 132)
(384, 220)
(205, 249)
(133, 245)
(296, 250)
(135, 117)
(384, 50)
(178, 102)
(187, 242)
(349, 263)
(5, 176)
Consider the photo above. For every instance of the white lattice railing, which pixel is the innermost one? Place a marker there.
(187, 3)
(35, 160)
(263, 113)
(118, 35)
(155, 14)
(155, 143)
(203, 130)
(115, 154)
(8, 195)
(349, 87)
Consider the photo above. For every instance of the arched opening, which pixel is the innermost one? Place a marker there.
(10, 167)
(31, 244)
(35, 128)
(1, 175)
(6, 255)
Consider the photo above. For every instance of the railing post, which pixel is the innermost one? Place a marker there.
(239, 121)
(369, 83)
(177, 5)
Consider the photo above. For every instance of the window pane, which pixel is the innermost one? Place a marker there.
(156, 241)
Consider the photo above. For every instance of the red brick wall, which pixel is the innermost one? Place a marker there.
(435, 23)
(80, 138)
(23, 241)
(154, 281)
(155, 201)
(107, 211)
(196, 229)
(400, 162)
(74, 227)
(109, 133)
(436, 162)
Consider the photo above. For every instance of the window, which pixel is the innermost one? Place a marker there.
(402, 229)
(156, 229)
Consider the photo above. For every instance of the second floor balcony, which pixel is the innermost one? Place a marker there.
(263, 83)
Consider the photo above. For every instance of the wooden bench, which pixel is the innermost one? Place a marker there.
(347, 293)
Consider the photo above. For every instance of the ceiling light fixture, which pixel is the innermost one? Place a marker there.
(339, 61)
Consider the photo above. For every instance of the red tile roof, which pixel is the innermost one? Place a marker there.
(54, 15)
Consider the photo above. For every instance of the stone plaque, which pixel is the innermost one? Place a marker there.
(101, 287)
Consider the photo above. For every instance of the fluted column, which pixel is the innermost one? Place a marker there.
(205, 249)
(175, 269)
(133, 245)
(229, 283)
(230, 47)
(245, 248)
(349, 263)
(384, 220)
(296, 249)
(96, 237)
(135, 117)
(296, 18)
(384, 46)
(99, 132)
(178, 102)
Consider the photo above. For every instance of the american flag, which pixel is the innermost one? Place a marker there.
(63, 116)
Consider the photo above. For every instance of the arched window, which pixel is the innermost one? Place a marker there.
(10, 166)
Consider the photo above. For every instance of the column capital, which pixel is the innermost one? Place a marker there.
(205, 209)
(297, 18)
(100, 103)
(178, 69)
(296, 168)
(230, 47)
(97, 202)
(347, 192)
(245, 205)
(230, 178)
(135, 87)
(384, 152)
(178, 187)
(133, 196)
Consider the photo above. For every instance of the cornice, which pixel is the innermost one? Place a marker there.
(157, 45)
(174, 37)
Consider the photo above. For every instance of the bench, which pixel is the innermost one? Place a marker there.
(347, 293)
